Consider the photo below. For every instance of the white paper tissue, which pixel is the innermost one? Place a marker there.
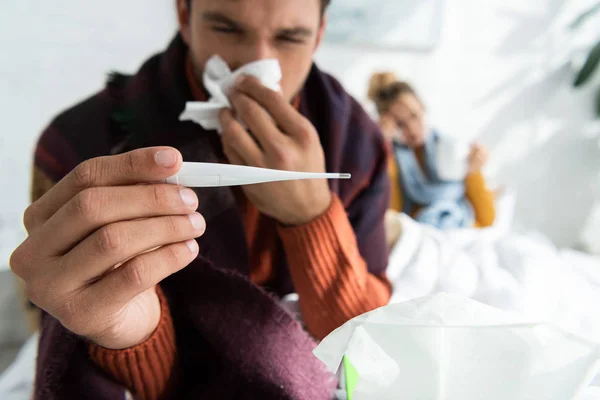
(446, 347)
(218, 79)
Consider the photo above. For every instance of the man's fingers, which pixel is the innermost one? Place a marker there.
(93, 208)
(142, 273)
(144, 165)
(20, 260)
(258, 120)
(233, 156)
(290, 121)
(236, 137)
(119, 242)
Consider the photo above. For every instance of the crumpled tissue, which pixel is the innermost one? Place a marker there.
(218, 79)
(446, 347)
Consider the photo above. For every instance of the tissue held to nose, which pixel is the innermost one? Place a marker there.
(218, 79)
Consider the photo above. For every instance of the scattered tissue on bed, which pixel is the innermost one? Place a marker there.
(454, 348)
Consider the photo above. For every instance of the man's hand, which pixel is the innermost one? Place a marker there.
(478, 157)
(99, 243)
(281, 138)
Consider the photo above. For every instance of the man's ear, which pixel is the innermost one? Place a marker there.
(321, 33)
(183, 17)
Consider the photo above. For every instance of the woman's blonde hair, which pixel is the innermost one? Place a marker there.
(384, 89)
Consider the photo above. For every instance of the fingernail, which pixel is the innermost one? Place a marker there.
(188, 197)
(192, 245)
(197, 221)
(166, 158)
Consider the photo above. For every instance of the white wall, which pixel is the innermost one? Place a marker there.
(55, 53)
(494, 76)
(500, 74)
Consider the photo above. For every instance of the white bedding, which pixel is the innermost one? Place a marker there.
(519, 272)
(507, 270)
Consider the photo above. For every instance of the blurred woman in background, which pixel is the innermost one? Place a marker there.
(420, 188)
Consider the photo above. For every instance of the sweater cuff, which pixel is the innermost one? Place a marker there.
(475, 178)
(321, 239)
(481, 199)
(328, 272)
(147, 369)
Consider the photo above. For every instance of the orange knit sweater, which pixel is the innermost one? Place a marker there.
(329, 275)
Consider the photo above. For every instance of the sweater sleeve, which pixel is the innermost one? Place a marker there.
(147, 370)
(329, 274)
(481, 199)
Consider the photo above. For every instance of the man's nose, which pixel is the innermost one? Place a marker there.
(256, 51)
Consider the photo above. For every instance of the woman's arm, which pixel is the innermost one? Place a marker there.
(477, 192)
(481, 198)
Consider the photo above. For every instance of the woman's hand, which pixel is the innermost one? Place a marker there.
(388, 126)
(478, 157)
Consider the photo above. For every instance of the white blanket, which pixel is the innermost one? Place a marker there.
(510, 271)
(519, 272)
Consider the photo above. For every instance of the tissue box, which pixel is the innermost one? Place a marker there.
(453, 348)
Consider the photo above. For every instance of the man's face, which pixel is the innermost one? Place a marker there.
(242, 31)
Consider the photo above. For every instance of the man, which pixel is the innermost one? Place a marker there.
(108, 248)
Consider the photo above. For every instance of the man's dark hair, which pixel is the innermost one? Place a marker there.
(324, 5)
